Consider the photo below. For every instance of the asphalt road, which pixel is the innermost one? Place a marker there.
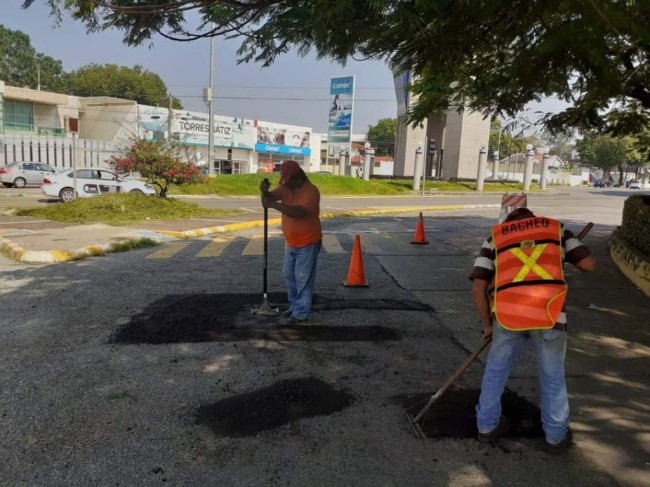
(80, 407)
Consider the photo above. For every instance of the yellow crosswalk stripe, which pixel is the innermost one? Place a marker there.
(331, 244)
(215, 247)
(168, 250)
(255, 246)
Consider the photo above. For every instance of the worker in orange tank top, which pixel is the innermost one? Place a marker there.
(298, 200)
(519, 291)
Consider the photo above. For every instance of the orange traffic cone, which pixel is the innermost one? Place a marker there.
(356, 275)
(419, 238)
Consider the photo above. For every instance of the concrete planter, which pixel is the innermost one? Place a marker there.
(634, 264)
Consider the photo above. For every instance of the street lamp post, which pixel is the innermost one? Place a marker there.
(482, 167)
(208, 96)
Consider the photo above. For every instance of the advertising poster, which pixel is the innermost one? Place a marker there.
(340, 114)
(192, 128)
(282, 139)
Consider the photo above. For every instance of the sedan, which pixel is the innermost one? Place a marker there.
(21, 174)
(91, 182)
(634, 184)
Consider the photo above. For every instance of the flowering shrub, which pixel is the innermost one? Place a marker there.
(159, 162)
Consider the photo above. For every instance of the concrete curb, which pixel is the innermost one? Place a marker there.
(20, 254)
(632, 263)
(52, 256)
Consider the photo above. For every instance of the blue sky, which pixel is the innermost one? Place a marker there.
(294, 90)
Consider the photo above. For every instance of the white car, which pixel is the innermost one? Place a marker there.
(21, 174)
(91, 182)
(635, 184)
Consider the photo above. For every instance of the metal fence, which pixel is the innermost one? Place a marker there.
(55, 151)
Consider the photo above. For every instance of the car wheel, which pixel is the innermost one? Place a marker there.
(19, 183)
(66, 195)
(136, 191)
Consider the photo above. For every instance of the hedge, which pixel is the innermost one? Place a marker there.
(635, 228)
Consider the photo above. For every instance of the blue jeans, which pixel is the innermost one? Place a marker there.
(550, 351)
(300, 275)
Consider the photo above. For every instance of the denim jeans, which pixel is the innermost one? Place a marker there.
(300, 275)
(550, 351)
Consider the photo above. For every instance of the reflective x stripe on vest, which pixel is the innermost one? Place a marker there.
(529, 279)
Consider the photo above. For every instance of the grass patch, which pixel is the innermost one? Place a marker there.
(133, 244)
(120, 209)
(330, 185)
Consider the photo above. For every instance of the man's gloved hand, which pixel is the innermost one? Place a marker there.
(266, 200)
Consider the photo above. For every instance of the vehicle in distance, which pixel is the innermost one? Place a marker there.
(634, 184)
(21, 174)
(91, 182)
(602, 183)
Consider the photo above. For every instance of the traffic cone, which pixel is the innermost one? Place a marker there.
(356, 275)
(419, 238)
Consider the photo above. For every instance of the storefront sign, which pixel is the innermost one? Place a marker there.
(282, 149)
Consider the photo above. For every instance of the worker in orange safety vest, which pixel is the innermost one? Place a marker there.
(519, 291)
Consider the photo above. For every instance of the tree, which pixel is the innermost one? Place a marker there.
(488, 55)
(382, 136)
(159, 162)
(605, 152)
(20, 63)
(503, 141)
(135, 83)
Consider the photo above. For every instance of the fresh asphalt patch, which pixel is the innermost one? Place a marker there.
(284, 402)
(229, 317)
(454, 416)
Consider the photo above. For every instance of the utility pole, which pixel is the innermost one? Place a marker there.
(482, 167)
(208, 96)
(543, 176)
(417, 170)
(528, 168)
(170, 119)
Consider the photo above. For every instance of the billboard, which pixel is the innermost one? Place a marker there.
(339, 129)
(282, 139)
(193, 128)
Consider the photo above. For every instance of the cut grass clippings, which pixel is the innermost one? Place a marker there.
(120, 209)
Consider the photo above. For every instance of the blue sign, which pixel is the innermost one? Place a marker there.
(283, 149)
(342, 86)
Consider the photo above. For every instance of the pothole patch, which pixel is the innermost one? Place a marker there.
(228, 318)
(281, 403)
(454, 416)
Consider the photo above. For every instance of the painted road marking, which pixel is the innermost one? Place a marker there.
(215, 247)
(168, 250)
(255, 246)
(331, 244)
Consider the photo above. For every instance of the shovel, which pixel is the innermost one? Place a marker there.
(416, 418)
(265, 309)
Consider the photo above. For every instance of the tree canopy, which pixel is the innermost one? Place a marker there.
(134, 83)
(382, 136)
(20, 63)
(487, 55)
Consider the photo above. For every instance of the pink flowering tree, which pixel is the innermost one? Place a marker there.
(159, 162)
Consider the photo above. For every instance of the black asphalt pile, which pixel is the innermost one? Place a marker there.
(454, 416)
(281, 403)
(228, 317)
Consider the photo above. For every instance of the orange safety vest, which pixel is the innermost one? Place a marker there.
(529, 280)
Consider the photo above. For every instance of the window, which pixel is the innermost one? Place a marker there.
(19, 115)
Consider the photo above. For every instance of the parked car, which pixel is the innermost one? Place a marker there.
(21, 174)
(91, 182)
(602, 183)
(634, 184)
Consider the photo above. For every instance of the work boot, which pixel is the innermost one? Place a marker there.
(501, 429)
(290, 320)
(561, 446)
(286, 313)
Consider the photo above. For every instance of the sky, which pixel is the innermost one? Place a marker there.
(294, 90)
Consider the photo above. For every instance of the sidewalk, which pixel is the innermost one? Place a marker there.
(35, 241)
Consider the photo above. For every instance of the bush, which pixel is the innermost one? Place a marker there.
(635, 228)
